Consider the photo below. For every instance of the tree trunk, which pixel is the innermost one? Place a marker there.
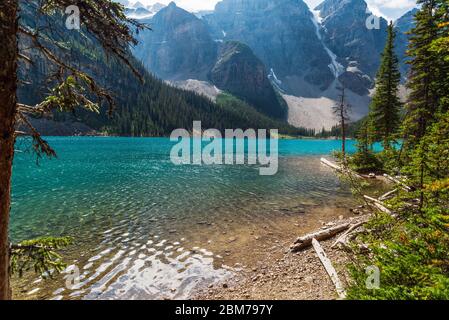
(321, 235)
(343, 136)
(8, 101)
(342, 115)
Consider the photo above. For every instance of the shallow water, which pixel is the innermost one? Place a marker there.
(145, 228)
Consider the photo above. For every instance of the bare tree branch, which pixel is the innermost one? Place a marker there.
(40, 146)
(27, 59)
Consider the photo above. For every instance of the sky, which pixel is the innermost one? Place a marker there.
(389, 9)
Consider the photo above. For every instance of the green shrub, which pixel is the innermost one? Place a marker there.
(365, 162)
(412, 252)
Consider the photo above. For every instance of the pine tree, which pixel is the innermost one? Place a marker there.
(424, 76)
(440, 48)
(364, 160)
(386, 105)
(428, 86)
(364, 137)
(414, 246)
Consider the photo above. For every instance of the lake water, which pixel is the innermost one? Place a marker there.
(145, 228)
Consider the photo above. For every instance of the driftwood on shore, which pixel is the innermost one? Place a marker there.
(340, 168)
(331, 164)
(398, 182)
(306, 241)
(327, 264)
(379, 205)
(349, 230)
(343, 238)
(388, 195)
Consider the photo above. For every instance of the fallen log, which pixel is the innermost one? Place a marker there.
(398, 182)
(339, 168)
(306, 241)
(379, 205)
(331, 164)
(388, 195)
(371, 199)
(329, 269)
(342, 238)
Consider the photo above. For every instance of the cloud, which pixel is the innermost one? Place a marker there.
(390, 9)
(190, 5)
(397, 4)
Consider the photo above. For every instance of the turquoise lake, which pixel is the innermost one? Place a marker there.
(145, 228)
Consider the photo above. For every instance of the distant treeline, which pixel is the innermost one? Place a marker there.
(351, 131)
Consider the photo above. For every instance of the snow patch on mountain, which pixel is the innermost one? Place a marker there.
(275, 81)
(336, 68)
(317, 23)
(317, 16)
(137, 10)
(274, 77)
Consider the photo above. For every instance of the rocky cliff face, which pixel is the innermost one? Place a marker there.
(403, 26)
(178, 47)
(282, 34)
(241, 73)
(305, 51)
(357, 37)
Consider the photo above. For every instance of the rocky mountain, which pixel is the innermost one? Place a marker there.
(138, 13)
(356, 37)
(282, 34)
(178, 47)
(403, 26)
(304, 53)
(239, 72)
(137, 10)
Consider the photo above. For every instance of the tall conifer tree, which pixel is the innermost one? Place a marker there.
(423, 84)
(386, 105)
(427, 84)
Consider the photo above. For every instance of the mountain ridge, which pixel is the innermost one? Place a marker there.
(307, 52)
(239, 72)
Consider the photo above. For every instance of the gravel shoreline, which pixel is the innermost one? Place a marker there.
(283, 275)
